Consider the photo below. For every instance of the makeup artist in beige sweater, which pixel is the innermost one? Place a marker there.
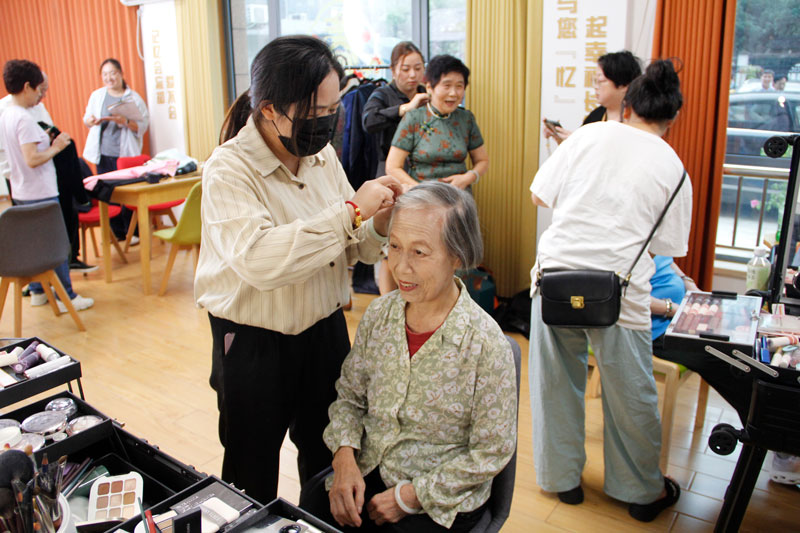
(280, 226)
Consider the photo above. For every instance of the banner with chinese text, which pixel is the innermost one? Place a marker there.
(163, 76)
(574, 34)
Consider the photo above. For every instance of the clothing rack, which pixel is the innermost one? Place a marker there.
(367, 67)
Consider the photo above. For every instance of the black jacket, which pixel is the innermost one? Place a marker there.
(381, 115)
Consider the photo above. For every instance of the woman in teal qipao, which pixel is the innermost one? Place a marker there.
(437, 138)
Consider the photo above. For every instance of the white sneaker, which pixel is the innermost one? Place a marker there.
(785, 469)
(134, 240)
(79, 303)
(38, 298)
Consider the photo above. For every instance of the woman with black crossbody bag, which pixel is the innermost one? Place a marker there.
(616, 190)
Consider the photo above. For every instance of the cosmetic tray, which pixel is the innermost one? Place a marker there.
(280, 508)
(30, 387)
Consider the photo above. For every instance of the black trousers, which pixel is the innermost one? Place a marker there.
(732, 384)
(119, 224)
(268, 382)
(318, 504)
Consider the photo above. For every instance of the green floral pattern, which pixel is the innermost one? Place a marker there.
(445, 419)
(437, 147)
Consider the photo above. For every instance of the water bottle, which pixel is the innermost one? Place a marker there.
(758, 270)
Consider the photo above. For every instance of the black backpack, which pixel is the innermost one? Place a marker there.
(514, 314)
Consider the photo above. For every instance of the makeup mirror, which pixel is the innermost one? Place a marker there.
(787, 255)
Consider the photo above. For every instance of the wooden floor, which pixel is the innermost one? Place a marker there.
(146, 362)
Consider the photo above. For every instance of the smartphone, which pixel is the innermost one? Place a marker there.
(552, 124)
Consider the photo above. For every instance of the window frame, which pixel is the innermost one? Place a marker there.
(420, 34)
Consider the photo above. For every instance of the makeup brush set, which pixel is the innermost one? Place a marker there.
(30, 496)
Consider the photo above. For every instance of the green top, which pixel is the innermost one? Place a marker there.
(446, 419)
(437, 147)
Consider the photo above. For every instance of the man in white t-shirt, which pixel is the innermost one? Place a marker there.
(608, 183)
(40, 115)
(29, 154)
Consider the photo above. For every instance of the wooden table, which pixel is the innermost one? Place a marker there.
(143, 195)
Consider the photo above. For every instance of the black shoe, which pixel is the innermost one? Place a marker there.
(572, 497)
(649, 511)
(79, 266)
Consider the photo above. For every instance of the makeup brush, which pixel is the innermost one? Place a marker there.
(23, 495)
(15, 464)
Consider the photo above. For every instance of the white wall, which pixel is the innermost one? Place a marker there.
(641, 28)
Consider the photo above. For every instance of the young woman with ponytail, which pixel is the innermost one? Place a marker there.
(280, 225)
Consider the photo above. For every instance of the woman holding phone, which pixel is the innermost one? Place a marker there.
(615, 71)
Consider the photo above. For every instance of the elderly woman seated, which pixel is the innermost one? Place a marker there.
(426, 413)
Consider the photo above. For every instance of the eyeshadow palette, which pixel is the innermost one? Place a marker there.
(721, 320)
(115, 497)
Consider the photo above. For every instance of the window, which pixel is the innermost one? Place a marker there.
(447, 23)
(761, 105)
(360, 32)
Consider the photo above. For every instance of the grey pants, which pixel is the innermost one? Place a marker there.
(632, 428)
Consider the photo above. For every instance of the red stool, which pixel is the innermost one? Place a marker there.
(90, 220)
(155, 211)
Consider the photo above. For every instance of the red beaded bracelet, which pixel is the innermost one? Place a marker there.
(357, 221)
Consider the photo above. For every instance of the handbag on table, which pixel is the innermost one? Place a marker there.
(588, 298)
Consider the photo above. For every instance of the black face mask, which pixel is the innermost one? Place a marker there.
(312, 135)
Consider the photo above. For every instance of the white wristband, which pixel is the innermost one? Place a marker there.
(477, 176)
(400, 503)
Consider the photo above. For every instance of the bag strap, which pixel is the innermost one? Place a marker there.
(653, 231)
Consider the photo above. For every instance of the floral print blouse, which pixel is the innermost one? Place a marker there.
(445, 419)
(437, 147)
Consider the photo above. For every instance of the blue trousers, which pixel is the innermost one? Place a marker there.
(632, 429)
(62, 270)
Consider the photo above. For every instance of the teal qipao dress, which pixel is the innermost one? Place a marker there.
(437, 146)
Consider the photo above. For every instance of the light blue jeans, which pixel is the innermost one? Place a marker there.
(632, 430)
(62, 270)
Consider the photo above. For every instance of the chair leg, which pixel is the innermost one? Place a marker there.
(62, 294)
(115, 242)
(671, 384)
(18, 307)
(131, 229)
(171, 216)
(158, 223)
(85, 247)
(702, 401)
(94, 242)
(196, 248)
(4, 283)
(44, 279)
(173, 252)
(593, 388)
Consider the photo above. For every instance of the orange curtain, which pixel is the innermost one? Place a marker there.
(69, 40)
(700, 34)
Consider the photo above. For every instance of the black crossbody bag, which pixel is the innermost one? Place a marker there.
(588, 298)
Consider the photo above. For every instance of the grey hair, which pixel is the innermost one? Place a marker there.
(461, 232)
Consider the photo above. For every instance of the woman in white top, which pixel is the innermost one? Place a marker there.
(607, 184)
(30, 158)
(112, 135)
(281, 224)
